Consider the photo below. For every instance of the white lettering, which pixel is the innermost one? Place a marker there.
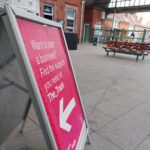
(51, 96)
(45, 58)
(37, 45)
(47, 85)
(46, 71)
(60, 87)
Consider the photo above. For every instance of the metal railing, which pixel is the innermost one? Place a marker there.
(104, 35)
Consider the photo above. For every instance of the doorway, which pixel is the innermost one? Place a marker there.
(86, 36)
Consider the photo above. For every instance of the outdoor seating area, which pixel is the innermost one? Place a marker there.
(130, 48)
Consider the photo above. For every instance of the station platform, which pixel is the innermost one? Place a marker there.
(116, 94)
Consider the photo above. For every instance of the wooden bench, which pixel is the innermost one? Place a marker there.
(127, 48)
(110, 45)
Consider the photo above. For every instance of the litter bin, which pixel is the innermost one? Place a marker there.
(72, 40)
(95, 41)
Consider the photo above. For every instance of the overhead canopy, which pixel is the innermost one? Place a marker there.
(128, 3)
(98, 3)
(121, 5)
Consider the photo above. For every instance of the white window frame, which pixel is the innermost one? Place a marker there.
(71, 18)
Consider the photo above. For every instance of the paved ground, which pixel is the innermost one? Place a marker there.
(116, 95)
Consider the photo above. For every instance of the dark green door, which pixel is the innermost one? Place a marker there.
(86, 33)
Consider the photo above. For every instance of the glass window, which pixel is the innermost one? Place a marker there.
(70, 13)
(141, 2)
(70, 23)
(70, 20)
(118, 4)
(122, 4)
(137, 2)
(110, 4)
(127, 3)
(113, 4)
(147, 2)
(48, 12)
(132, 3)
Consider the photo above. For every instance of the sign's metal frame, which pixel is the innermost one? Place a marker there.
(9, 19)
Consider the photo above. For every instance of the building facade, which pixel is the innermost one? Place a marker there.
(67, 12)
(70, 13)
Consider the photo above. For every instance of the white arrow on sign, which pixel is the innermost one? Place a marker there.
(64, 114)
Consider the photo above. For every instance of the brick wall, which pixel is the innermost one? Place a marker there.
(92, 16)
(124, 25)
(96, 17)
(60, 10)
(88, 15)
(88, 18)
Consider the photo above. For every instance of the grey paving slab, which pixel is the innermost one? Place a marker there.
(100, 143)
(141, 97)
(33, 117)
(112, 92)
(129, 130)
(118, 106)
(32, 140)
(98, 119)
(88, 109)
(144, 145)
(88, 87)
(92, 98)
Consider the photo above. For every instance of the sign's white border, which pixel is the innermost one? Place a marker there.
(19, 49)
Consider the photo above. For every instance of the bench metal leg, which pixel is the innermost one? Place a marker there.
(143, 57)
(114, 53)
(107, 53)
(137, 57)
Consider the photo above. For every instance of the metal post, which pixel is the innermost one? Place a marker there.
(114, 15)
(104, 36)
(137, 58)
(143, 37)
(82, 17)
(121, 35)
(113, 35)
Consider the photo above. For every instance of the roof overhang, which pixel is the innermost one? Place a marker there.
(98, 3)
